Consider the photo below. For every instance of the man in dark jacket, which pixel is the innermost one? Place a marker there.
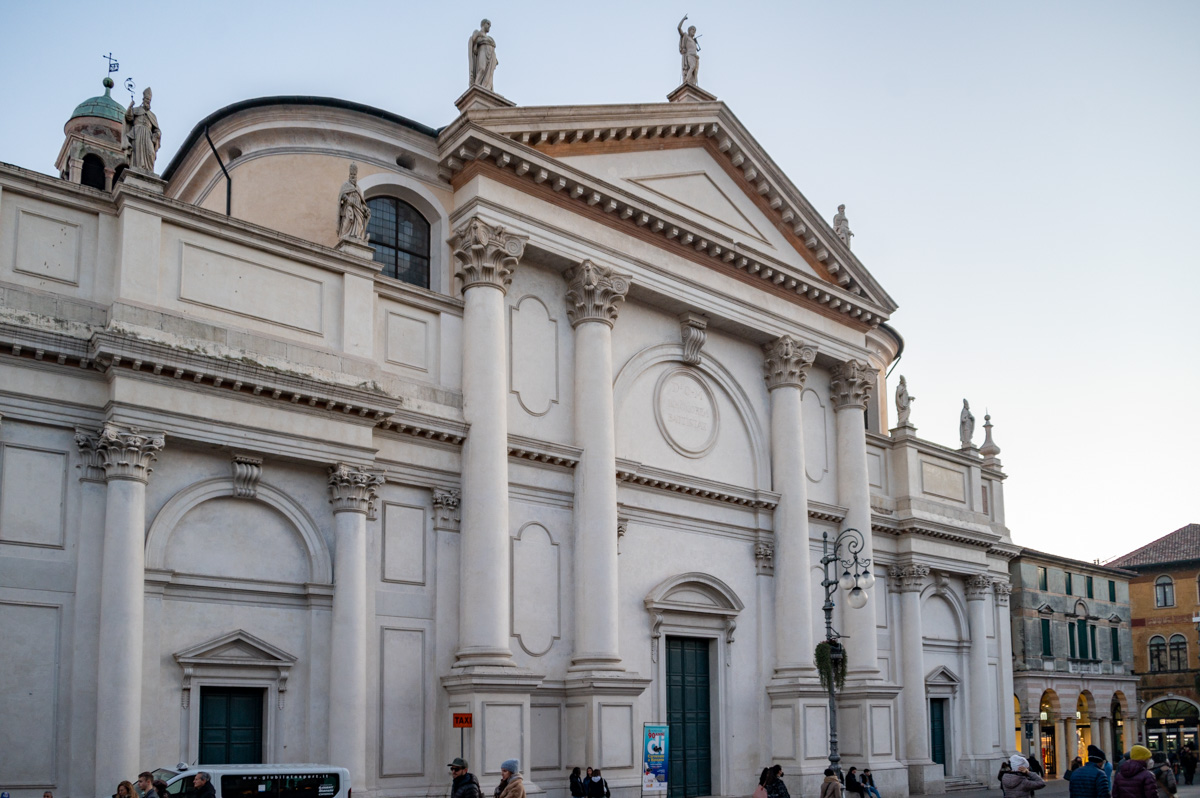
(1133, 780)
(465, 784)
(202, 781)
(1089, 781)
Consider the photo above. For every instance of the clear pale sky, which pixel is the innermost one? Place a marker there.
(1022, 177)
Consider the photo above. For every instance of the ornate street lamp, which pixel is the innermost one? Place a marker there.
(856, 579)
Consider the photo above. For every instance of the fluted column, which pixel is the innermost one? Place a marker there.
(126, 454)
(785, 370)
(850, 389)
(485, 257)
(908, 580)
(983, 696)
(1003, 589)
(594, 294)
(351, 492)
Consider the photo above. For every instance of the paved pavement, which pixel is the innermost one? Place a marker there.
(1058, 788)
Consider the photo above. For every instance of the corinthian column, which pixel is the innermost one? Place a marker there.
(1003, 588)
(908, 580)
(351, 492)
(983, 697)
(485, 257)
(126, 454)
(594, 293)
(850, 389)
(785, 369)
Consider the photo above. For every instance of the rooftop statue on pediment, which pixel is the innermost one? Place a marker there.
(689, 50)
(142, 135)
(904, 402)
(966, 425)
(481, 52)
(841, 226)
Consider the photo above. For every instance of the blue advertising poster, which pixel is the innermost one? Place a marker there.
(654, 758)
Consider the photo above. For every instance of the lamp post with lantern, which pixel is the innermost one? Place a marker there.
(856, 578)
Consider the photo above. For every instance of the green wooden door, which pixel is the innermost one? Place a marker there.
(231, 725)
(689, 773)
(937, 730)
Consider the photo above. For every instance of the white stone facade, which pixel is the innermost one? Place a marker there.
(645, 379)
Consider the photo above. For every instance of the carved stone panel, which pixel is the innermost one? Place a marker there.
(533, 356)
(536, 586)
(686, 411)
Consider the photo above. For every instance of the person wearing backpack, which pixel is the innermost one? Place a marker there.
(596, 786)
(1020, 781)
(1164, 775)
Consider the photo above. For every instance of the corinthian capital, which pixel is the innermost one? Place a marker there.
(594, 293)
(124, 452)
(486, 255)
(1003, 589)
(787, 362)
(352, 490)
(851, 385)
(908, 578)
(978, 587)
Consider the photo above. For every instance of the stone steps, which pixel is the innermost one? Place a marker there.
(962, 784)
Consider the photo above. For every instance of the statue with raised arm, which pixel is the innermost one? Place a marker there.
(481, 53)
(689, 49)
(903, 402)
(966, 426)
(841, 226)
(353, 212)
(142, 136)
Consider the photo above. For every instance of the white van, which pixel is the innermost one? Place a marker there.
(260, 781)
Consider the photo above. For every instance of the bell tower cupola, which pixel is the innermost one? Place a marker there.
(92, 153)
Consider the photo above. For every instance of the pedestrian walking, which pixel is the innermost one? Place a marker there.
(512, 784)
(1090, 781)
(1187, 763)
(831, 787)
(1163, 775)
(1133, 779)
(1020, 781)
(463, 782)
(773, 783)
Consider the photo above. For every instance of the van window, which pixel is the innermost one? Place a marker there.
(280, 785)
(182, 788)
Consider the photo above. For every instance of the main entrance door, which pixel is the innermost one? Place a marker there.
(937, 730)
(231, 725)
(690, 770)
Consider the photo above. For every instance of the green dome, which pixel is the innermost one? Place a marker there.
(104, 106)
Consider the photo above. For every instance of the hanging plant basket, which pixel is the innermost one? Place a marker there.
(824, 658)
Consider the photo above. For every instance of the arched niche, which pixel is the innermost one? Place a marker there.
(709, 369)
(306, 535)
(944, 617)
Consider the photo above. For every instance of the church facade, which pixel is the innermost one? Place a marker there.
(554, 438)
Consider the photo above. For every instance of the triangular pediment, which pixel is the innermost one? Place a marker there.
(699, 194)
(942, 675)
(235, 648)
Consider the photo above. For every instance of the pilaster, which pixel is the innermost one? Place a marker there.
(979, 594)
(924, 777)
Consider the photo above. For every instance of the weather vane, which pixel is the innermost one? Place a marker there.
(113, 64)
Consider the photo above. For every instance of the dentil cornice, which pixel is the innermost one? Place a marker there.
(352, 489)
(486, 255)
(594, 293)
(851, 385)
(787, 362)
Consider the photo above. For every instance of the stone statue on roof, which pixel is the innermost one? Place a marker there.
(689, 50)
(142, 135)
(841, 226)
(903, 402)
(353, 211)
(481, 54)
(966, 425)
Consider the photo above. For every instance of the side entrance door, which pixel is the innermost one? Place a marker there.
(937, 730)
(231, 725)
(689, 773)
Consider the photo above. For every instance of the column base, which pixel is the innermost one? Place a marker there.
(598, 662)
(483, 657)
(926, 778)
(798, 674)
(498, 699)
(607, 700)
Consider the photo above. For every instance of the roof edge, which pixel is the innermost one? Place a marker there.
(288, 99)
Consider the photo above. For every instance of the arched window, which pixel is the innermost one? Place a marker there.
(1158, 654)
(92, 173)
(400, 238)
(1177, 658)
(1164, 592)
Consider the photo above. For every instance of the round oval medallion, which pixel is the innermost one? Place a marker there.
(686, 412)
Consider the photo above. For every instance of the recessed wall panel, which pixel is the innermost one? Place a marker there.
(33, 489)
(402, 703)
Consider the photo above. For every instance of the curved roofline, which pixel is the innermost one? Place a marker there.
(899, 339)
(266, 102)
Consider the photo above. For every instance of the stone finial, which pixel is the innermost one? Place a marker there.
(989, 449)
(903, 403)
(486, 255)
(966, 426)
(352, 489)
(692, 334)
(787, 362)
(353, 211)
(689, 52)
(142, 136)
(481, 53)
(851, 385)
(247, 471)
(978, 586)
(1003, 589)
(841, 226)
(594, 293)
(908, 578)
(127, 452)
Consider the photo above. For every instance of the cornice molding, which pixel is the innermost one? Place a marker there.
(673, 482)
